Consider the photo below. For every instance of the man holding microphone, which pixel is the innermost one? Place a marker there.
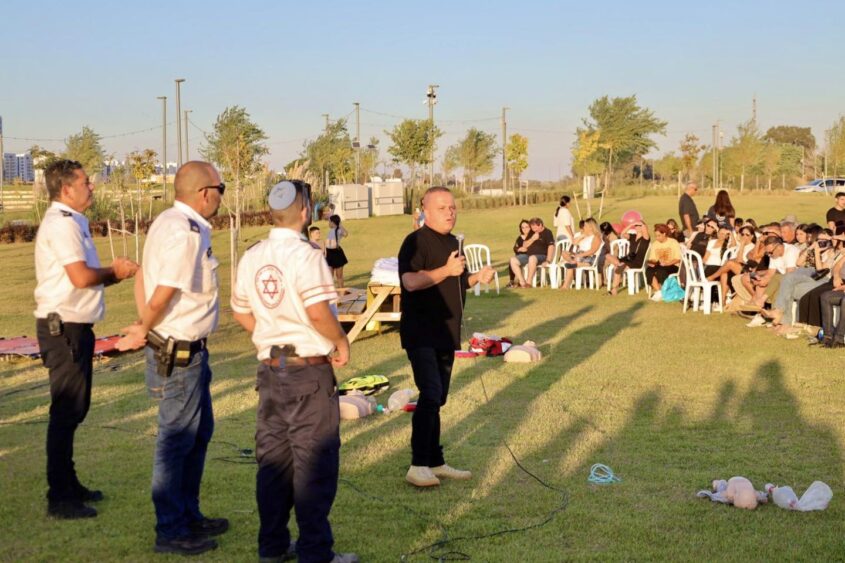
(434, 281)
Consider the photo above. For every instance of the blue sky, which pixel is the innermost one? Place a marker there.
(101, 64)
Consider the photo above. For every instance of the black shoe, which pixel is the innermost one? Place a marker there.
(209, 527)
(70, 510)
(85, 494)
(190, 545)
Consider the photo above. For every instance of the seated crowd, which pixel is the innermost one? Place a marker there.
(790, 276)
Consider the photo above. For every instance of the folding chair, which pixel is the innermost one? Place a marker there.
(478, 256)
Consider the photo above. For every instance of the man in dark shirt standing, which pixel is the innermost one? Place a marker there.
(836, 214)
(434, 281)
(687, 209)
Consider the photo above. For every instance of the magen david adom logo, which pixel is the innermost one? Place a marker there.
(268, 284)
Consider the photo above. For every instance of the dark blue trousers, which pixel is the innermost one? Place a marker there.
(298, 451)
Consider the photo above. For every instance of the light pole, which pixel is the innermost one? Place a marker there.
(164, 146)
(187, 145)
(357, 143)
(179, 82)
(2, 164)
(504, 151)
(431, 99)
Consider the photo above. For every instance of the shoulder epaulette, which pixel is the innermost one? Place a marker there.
(66, 213)
(195, 227)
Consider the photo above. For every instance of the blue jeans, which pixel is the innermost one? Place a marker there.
(185, 426)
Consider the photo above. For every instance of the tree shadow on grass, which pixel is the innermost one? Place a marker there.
(664, 458)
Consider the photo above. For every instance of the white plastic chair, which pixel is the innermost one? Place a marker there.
(478, 256)
(633, 276)
(618, 248)
(729, 254)
(555, 267)
(591, 271)
(698, 287)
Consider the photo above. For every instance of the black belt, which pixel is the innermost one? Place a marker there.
(296, 361)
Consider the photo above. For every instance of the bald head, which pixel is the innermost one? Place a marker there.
(197, 184)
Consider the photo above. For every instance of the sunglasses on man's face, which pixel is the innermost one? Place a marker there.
(221, 188)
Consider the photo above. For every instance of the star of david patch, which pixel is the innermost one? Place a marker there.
(269, 285)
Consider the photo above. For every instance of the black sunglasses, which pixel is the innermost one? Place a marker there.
(221, 188)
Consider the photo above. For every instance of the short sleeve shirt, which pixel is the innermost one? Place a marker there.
(64, 238)
(278, 279)
(431, 317)
(686, 206)
(836, 216)
(178, 254)
(563, 219)
(789, 259)
(541, 245)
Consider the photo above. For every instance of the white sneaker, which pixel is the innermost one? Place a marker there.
(421, 476)
(758, 320)
(444, 471)
(657, 296)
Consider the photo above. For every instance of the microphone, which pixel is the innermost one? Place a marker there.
(460, 237)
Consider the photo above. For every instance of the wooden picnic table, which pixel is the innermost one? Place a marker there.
(371, 305)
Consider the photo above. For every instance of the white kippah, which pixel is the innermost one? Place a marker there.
(282, 195)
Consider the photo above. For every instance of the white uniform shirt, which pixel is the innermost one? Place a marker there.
(277, 279)
(64, 238)
(177, 254)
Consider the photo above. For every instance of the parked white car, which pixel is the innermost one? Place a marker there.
(825, 186)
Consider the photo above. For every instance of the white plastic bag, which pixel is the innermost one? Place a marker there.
(816, 497)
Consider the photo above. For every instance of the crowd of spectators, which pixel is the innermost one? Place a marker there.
(785, 275)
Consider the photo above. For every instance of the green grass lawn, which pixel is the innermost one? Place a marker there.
(669, 401)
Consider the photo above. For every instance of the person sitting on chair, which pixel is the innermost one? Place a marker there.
(520, 248)
(637, 247)
(541, 247)
(584, 253)
(664, 255)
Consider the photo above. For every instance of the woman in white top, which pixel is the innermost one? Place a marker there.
(585, 251)
(564, 222)
(734, 267)
(716, 248)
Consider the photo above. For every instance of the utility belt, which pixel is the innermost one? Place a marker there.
(56, 326)
(281, 356)
(170, 353)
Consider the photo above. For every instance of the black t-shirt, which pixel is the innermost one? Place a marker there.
(541, 245)
(698, 244)
(838, 217)
(520, 240)
(637, 248)
(431, 317)
(686, 206)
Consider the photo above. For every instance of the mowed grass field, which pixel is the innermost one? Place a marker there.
(669, 401)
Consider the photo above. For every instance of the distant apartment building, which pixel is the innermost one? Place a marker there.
(18, 167)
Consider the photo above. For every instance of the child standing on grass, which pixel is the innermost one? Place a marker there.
(335, 256)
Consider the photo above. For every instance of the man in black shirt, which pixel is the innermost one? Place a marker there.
(836, 214)
(434, 281)
(687, 209)
(541, 248)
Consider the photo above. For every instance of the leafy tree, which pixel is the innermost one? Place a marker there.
(625, 128)
(770, 159)
(835, 152)
(475, 153)
(413, 142)
(668, 166)
(746, 150)
(791, 135)
(369, 158)
(41, 157)
(236, 144)
(516, 154)
(142, 164)
(690, 150)
(332, 153)
(85, 148)
(450, 162)
(585, 159)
